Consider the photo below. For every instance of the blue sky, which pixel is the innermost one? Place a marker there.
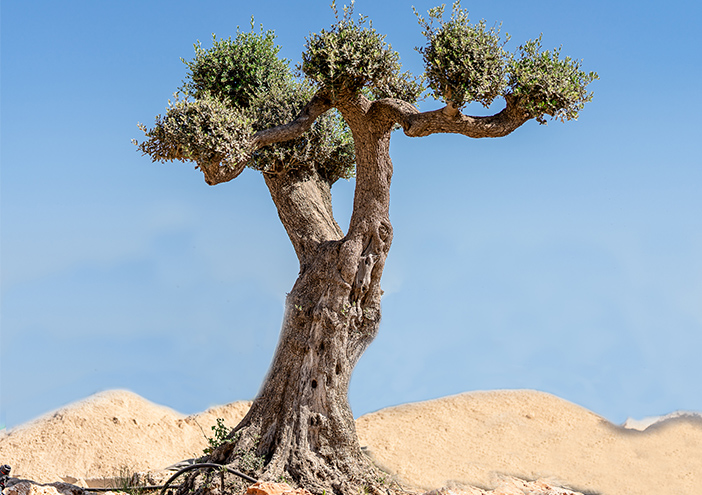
(565, 258)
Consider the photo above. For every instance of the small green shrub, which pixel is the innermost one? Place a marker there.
(221, 436)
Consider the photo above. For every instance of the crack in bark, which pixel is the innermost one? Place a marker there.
(363, 276)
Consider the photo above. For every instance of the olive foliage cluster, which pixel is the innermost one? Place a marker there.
(544, 84)
(467, 63)
(463, 62)
(205, 131)
(234, 89)
(352, 56)
(241, 86)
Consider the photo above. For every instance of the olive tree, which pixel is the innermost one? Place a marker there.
(242, 106)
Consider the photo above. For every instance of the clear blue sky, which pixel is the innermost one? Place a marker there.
(565, 258)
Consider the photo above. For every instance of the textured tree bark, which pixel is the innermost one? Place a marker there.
(301, 423)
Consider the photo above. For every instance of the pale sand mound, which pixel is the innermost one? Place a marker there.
(473, 436)
(98, 436)
(467, 438)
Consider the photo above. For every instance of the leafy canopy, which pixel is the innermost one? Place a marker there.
(467, 62)
(463, 62)
(235, 71)
(240, 86)
(351, 56)
(205, 131)
(234, 89)
(543, 84)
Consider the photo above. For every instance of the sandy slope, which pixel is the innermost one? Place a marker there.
(468, 438)
(472, 436)
(96, 437)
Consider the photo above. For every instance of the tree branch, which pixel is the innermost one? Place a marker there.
(216, 174)
(303, 201)
(450, 120)
(319, 104)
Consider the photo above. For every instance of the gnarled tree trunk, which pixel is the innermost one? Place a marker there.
(301, 425)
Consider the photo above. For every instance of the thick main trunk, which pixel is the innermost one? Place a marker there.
(300, 427)
(301, 423)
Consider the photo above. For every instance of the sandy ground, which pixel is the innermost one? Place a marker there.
(102, 435)
(469, 438)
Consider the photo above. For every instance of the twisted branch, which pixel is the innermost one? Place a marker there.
(450, 119)
(320, 103)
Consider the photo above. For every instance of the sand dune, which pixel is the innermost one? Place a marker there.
(469, 438)
(98, 436)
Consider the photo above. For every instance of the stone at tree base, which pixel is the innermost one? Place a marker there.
(26, 487)
(268, 488)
